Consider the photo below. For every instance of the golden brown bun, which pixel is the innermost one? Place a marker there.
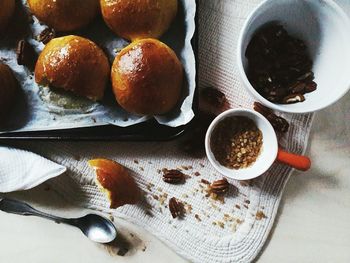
(65, 15)
(74, 64)
(147, 78)
(7, 8)
(133, 20)
(8, 90)
(114, 180)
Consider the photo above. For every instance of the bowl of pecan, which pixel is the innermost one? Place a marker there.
(294, 56)
(241, 144)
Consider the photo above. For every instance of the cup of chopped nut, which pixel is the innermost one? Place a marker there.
(241, 144)
(294, 55)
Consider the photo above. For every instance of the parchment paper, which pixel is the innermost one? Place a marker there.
(39, 108)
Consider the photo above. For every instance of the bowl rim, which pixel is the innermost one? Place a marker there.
(233, 174)
(252, 90)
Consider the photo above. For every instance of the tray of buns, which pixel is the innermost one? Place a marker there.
(97, 69)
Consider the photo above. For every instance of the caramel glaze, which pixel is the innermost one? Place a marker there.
(65, 15)
(136, 19)
(74, 64)
(8, 91)
(147, 78)
(7, 8)
(115, 179)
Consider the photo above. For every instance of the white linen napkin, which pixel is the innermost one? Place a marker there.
(22, 170)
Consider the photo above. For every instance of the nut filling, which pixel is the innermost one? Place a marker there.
(236, 142)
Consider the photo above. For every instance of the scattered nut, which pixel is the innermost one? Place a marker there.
(173, 177)
(176, 207)
(220, 187)
(26, 54)
(46, 35)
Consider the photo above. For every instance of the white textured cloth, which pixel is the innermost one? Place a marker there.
(22, 170)
(233, 231)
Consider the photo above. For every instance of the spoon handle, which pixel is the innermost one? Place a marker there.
(21, 208)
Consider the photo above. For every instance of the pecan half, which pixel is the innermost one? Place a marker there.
(294, 98)
(26, 54)
(220, 187)
(176, 207)
(310, 87)
(173, 176)
(46, 35)
(214, 97)
(279, 124)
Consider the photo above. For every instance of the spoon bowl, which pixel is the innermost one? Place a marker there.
(97, 228)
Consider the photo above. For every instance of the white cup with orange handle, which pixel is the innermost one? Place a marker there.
(269, 153)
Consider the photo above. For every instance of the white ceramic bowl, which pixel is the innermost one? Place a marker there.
(269, 149)
(325, 28)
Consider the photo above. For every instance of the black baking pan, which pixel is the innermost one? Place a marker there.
(147, 131)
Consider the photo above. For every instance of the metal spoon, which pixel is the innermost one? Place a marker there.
(95, 227)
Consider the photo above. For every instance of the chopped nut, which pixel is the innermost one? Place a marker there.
(239, 221)
(260, 215)
(197, 174)
(221, 224)
(197, 217)
(205, 181)
(236, 142)
(238, 206)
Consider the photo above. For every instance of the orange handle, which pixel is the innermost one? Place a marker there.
(299, 162)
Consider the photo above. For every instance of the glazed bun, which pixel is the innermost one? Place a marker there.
(7, 8)
(115, 182)
(74, 64)
(8, 90)
(64, 15)
(147, 78)
(133, 20)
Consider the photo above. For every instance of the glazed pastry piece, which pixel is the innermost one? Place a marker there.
(115, 181)
(65, 15)
(74, 64)
(147, 78)
(136, 19)
(8, 91)
(7, 8)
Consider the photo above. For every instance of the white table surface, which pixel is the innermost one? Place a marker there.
(312, 225)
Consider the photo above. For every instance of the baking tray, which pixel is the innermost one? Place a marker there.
(147, 131)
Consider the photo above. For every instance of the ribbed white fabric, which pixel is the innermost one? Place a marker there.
(199, 241)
